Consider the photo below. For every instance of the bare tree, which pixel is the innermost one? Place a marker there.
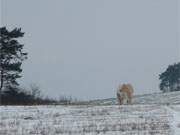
(35, 90)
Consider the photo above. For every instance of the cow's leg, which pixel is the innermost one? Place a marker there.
(120, 100)
(130, 100)
(127, 101)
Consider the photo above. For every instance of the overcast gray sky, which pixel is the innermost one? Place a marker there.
(86, 48)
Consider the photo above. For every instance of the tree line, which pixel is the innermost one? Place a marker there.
(12, 56)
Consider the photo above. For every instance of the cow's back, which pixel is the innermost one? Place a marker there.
(128, 89)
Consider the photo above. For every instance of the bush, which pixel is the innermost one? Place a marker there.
(19, 96)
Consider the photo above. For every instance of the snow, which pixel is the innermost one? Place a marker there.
(175, 122)
(85, 120)
(153, 114)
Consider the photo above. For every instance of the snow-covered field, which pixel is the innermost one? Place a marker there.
(90, 120)
(153, 114)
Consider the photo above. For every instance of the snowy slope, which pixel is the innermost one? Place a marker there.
(151, 114)
(157, 98)
(175, 121)
(86, 120)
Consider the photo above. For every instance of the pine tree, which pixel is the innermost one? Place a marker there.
(170, 79)
(11, 57)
